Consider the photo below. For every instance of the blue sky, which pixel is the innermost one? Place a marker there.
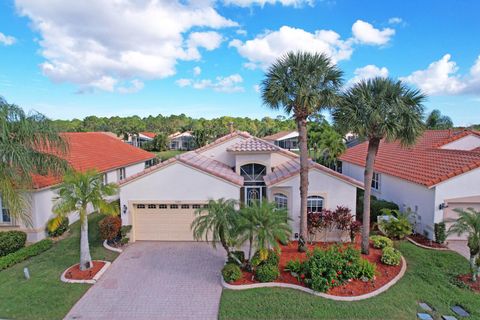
(204, 58)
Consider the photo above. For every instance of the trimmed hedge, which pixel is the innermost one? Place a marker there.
(380, 242)
(11, 241)
(267, 273)
(25, 253)
(391, 256)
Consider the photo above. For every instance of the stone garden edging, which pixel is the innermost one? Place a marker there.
(108, 247)
(319, 294)
(91, 281)
(426, 247)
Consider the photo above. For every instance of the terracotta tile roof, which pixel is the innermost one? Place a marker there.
(291, 168)
(424, 163)
(111, 134)
(148, 134)
(253, 145)
(223, 139)
(95, 150)
(278, 135)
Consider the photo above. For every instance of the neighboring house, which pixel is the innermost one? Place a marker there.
(160, 202)
(443, 165)
(137, 140)
(87, 150)
(284, 139)
(181, 141)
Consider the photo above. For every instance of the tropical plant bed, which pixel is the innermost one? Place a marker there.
(74, 272)
(355, 287)
(467, 280)
(421, 240)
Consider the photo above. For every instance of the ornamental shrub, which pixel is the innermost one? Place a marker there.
(366, 270)
(267, 272)
(231, 272)
(109, 227)
(11, 241)
(25, 253)
(440, 234)
(272, 258)
(61, 228)
(391, 256)
(381, 242)
(397, 228)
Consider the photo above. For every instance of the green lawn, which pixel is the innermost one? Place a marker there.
(428, 278)
(165, 155)
(44, 296)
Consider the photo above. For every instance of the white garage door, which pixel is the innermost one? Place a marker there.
(164, 221)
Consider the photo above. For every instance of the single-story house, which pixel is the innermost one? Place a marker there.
(137, 140)
(284, 139)
(161, 201)
(87, 150)
(442, 165)
(181, 141)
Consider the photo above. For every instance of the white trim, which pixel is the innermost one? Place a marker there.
(106, 246)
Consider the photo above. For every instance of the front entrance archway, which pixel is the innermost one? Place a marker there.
(254, 188)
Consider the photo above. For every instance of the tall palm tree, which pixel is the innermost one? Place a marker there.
(376, 109)
(469, 222)
(301, 84)
(29, 145)
(76, 193)
(216, 222)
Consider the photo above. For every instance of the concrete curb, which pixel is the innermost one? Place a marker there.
(106, 246)
(92, 281)
(319, 294)
(426, 247)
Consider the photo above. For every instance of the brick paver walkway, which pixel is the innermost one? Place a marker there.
(157, 280)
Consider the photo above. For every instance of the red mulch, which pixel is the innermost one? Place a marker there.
(418, 238)
(467, 279)
(74, 272)
(354, 288)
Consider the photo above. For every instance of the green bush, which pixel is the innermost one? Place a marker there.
(11, 241)
(267, 272)
(397, 228)
(231, 272)
(391, 256)
(440, 234)
(109, 227)
(62, 227)
(366, 270)
(25, 253)
(240, 255)
(381, 242)
(294, 266)
(272, 258)
(376, 206)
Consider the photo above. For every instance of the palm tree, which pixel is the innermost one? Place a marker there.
(437, 121)
(29, 145)
(302, 84)
(76, 193)
(216, 222)
(377, 109)
(469, 222)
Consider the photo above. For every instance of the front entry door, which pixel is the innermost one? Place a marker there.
(253, 193)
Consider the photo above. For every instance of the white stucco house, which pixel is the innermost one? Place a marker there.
(87, 150)
(160, 202)
(441, 171)
(181, 141)
(284, 139)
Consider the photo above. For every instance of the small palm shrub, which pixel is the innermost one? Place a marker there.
(391, 256)
(60, 227)
(366, 270)
(380, 242)
(267, 272)
(397, 228)
(109, 227)
(11, 241)
(231, 272)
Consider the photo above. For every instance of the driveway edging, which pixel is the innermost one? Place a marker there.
(91, 281)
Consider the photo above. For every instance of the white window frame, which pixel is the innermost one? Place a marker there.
(281, 200)
(122, 173)
(313, 202)
(105, 179)
(376, 180)
(5, 211)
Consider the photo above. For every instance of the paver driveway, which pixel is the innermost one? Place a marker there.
(157, 280)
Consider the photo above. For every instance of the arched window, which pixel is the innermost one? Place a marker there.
(281, 200)
(314, 204)
(253, 172)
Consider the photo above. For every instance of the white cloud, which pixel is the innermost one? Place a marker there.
(241, 32)
(366, 33)
(7, 40)
(442, 78)
(368, 72)
(129, 40)
(265, 48)
(395, 20)
(256, 87)
(135, 86)
(261, 3)
(228, 84)
(196, 71)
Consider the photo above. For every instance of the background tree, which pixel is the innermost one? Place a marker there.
(325, 144)
(469, 222)
(23, 153)
(437, 121)
(78, 191)
(301, 84)
(377, 109)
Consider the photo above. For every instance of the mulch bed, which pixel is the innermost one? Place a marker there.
(74, 272)
(467, 279)
(355, 287)
(418, 238)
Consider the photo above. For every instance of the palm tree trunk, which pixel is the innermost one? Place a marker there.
(302, 142)
(85, 258)
(370, 162)
(473, 267)
(250, 244)
(224, 242)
